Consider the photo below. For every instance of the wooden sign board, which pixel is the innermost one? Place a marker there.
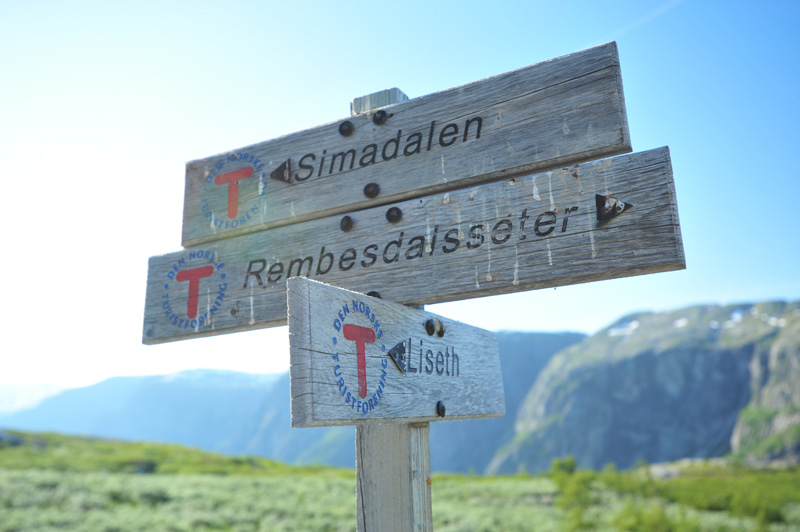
(356, 360)
(537, 231)
(566, 110)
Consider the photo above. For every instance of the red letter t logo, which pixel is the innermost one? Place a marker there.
(232, 179)
(361, 336)
(194, 276)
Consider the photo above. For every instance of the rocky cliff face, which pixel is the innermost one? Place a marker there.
(769, 428)
(664, 386)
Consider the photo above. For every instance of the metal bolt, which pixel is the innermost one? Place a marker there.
(440, 410)
(394, 215)
(346, 128)
(379, 118)
(371, 190)
(440, 330)
(620, 206)
(374, 294)
(346, 224)
(430, 327)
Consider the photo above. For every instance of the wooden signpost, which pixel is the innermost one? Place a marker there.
(493, 187)
(358, 360)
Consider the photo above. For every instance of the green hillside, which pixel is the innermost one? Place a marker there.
(20, 451)
(50, 482)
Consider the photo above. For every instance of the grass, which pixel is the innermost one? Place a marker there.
(37, 500)
(762, 495)
(50, 482)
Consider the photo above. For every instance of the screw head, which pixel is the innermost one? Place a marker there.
(346, 128)
(440, 330)
(394, 215)
(346, 224)
(380, 117)
(430, 327)
(440, 409)
(374, 294)
(371, 190)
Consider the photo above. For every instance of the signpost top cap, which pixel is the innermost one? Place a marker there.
(362, 104)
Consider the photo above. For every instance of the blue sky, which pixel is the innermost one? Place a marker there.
(103, 103)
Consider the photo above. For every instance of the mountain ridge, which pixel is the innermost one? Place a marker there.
(696, 382)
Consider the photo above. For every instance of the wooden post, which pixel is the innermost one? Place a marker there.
(393, 473)
(393, 461)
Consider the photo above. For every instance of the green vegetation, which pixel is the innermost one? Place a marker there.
(773, 446)
(757, 418)
(739, 491)
(653, 518)
(776, 444)
(38, 500)
(50, 482)
(575, 493)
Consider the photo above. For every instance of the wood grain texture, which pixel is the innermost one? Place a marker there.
(332, 384)
(468, 243)
(566, 110)
(393, 468)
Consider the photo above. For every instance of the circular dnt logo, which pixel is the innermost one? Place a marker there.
(195, 273)
(224, 180)
(356, 327)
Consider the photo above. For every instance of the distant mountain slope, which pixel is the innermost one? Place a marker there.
(199, 408)
(14, 397)
(664, 386)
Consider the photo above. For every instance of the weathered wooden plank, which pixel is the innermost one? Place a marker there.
(525, 233)
(566, 110)
(356, 359)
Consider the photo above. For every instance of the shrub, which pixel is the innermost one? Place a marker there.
(652, 518)
(575, 489)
